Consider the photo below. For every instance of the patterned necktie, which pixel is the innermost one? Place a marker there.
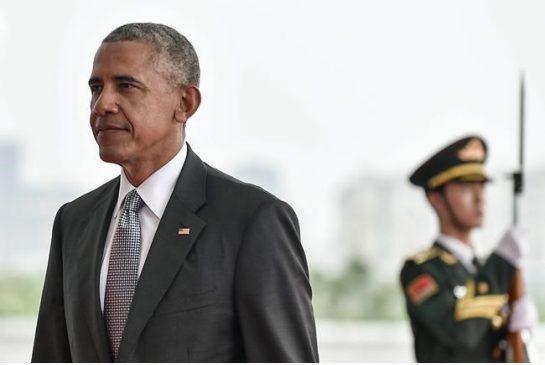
(122, 270)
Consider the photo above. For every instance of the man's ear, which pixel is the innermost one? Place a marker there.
(190, 99)
(436, 200)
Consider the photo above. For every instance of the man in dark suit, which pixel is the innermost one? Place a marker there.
(457, 304)
(173, 261)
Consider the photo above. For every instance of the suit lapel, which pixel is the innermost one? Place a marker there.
(92, 242)
(169, 249)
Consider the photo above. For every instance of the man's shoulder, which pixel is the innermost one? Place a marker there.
(88, 200)
(220, 183)
(242, 200)
(432, 255)
(428, 260)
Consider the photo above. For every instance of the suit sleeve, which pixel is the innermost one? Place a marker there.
(51, 338)
(432, 304)
(272, 290)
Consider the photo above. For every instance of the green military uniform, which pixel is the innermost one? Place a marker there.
(456, 316)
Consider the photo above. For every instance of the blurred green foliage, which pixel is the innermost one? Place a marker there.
(20, 294)
(354, 295)
(539, 300)
(350, 295)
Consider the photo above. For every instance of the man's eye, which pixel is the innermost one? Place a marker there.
(126, 86)
(95, 88)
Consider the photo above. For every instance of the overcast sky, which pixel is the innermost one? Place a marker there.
(321, 92)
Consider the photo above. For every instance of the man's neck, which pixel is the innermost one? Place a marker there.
(138, 171)
(461, 235)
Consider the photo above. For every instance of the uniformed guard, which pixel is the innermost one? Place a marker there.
(458, 304)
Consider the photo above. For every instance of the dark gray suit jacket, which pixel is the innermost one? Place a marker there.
(235, 289)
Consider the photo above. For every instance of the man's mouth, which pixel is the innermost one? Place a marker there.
(110, 129)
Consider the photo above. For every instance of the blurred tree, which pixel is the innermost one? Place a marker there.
(354, 295)
(19, 294)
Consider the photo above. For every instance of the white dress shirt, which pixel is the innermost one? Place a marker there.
(155, 191)
(463, 251)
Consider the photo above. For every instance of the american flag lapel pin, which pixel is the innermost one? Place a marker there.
(184, 231)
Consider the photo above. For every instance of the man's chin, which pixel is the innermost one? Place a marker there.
(110, 156)
(473, 224)
(478, 224)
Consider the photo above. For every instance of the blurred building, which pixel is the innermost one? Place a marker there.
(383, 220)
(26, 215)
(9, 158)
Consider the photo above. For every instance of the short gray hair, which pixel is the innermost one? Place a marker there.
(174, 56)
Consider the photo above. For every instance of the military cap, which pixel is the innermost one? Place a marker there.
(462, 160)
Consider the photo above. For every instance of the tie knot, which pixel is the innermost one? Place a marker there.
(133, 202)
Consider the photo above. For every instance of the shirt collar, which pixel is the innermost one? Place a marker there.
(464, 252)
(156, 190)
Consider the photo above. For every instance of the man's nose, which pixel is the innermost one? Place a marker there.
(105, 103)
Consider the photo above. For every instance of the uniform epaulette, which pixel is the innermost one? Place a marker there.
(448, 258)
(432, 253)
(425, 255)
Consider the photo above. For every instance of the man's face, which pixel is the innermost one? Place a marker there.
(466, 201)
(133, 107)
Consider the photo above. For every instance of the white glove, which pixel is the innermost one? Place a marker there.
(513, 246)
(523, 315)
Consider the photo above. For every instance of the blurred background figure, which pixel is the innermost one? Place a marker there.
(458, 303)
